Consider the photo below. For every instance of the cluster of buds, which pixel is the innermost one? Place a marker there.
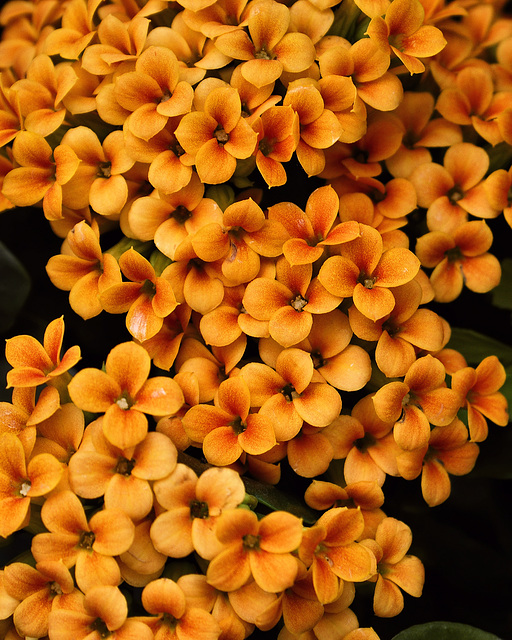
(264, 332)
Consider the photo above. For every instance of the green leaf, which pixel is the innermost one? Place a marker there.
(502, 294)
(444, 631)
(14, 287)
(475, 346)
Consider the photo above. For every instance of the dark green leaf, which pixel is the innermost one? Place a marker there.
(14, 287)
(502, 294)
(444, 631)
(476, 346)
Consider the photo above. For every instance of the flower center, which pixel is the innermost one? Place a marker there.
(266, 146)
(124, 401)
(86, 540)
(181, 214)
(298, 303)
(455, 194)
(221, 135)
(366, 280)
(25, 488)
(55, 589)
(100, 627)
(249, 542)
(238, 425)
(263, 54)
(199, 509)
(364, 443)
(289, 392)
(104, 170)
(454, 254)
(124, 466)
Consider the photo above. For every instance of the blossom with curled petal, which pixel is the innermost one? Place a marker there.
(88, 545)
(125, 394)
(366, 271)
(34, 363)
(261, 549)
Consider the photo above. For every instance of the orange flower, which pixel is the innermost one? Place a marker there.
(420, 400)
(40, 173)
(238, 242)
(448, 453)
(331, 550)
(497, 187)
(122, 476)
(102, 613)
(124, 392)
(227, 430)
(217, 136)
(401, 334)
(366, 271)
(35, 363)
(21, 416)
(452, 190)
(87, 272)
(190, 508)
(22, 479)
(403, 32)
(269, 48)
(288, 395)
(174, 615)
(278, 136)
(395, 568)
(459, 258)
(257, 549)
(314, 229)
(288, 302)
(41, 589)
(148, 298)
(479, 390)
(90, 547)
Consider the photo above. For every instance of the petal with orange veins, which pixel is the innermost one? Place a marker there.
(447, 280)
(298, 251)
(194, 130)
(352, 562)
(134, 90)
(221, 446)
(129, 364)
(388, 600)
(286, 420)
(83, 296)
(397, 266)
(404, 16)
(491, 376)
(373, 303)
(179, 103)
(93, 569)
(395, 538)
(424, 329)
(288, 326)
(435, 483)
(197, 624)
(388, 401)
(409, 575)
(258, 436)
(296, 366)
(261, 72)
(295, 51)
(413, 431)
(64, 271)
(271, 170)
(348, 370)
(113, 532)
(93, 390)
(124, 427)
(63, 513)
(44, 472)
(118, 298)
(13, 509)
(230, 569)
(326, 583)
(466, 163)
(319, 404)
(425, 42)
(263, 297)
(234, 397)
(280, 532)
(167, 174)
(214, 164)
(242, 140)
(171, 532)
(201, 419)
(220, 327)
(24, 350)
(339, 276)
(273, 572)
(312, 160)
(224, 106)
(31, 615)
(384, 93)
(202, 293)
(431, 181)
(493, 406)
(393, 355)
(25, 186)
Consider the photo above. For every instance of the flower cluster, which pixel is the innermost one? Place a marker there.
(263, 333)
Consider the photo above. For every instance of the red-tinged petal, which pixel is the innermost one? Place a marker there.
(258, 436)
(229, 570)
(69, 359)
(119, 297)
(124, 427)
(93, 390)
(373, 303)
(297, 251)
(273, 572)
(23, 351)
(319, 404)
(286, 420)
(111, 539)
(224, 106)
(263, 297)
(242, 140)
(431, 182)
(221, 446)
(493, 406)
(13, 510)
(12, 458)
(466, 164)
(394, 538)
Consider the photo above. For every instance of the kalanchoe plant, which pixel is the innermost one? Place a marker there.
(275, 198)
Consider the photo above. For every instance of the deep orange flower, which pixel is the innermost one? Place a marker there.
(459, 258)
(21, 479)
(102, 612)
(85, 273)
(448, 453)
(24, 413)
(228, 429)
(190, 508)
(34, 363)
(125, 393)
(41, 589)
(395, 568)
(257, 549)
(217, 136)
(269, 48)
(497, 188)
(122, 476)
(420, 400)
(147, 298)
(40, 173)
(479, 390)
(77, 30)
(403, 32)
(89, 546)
(288, 395)
(330, 549)
(366, 271)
